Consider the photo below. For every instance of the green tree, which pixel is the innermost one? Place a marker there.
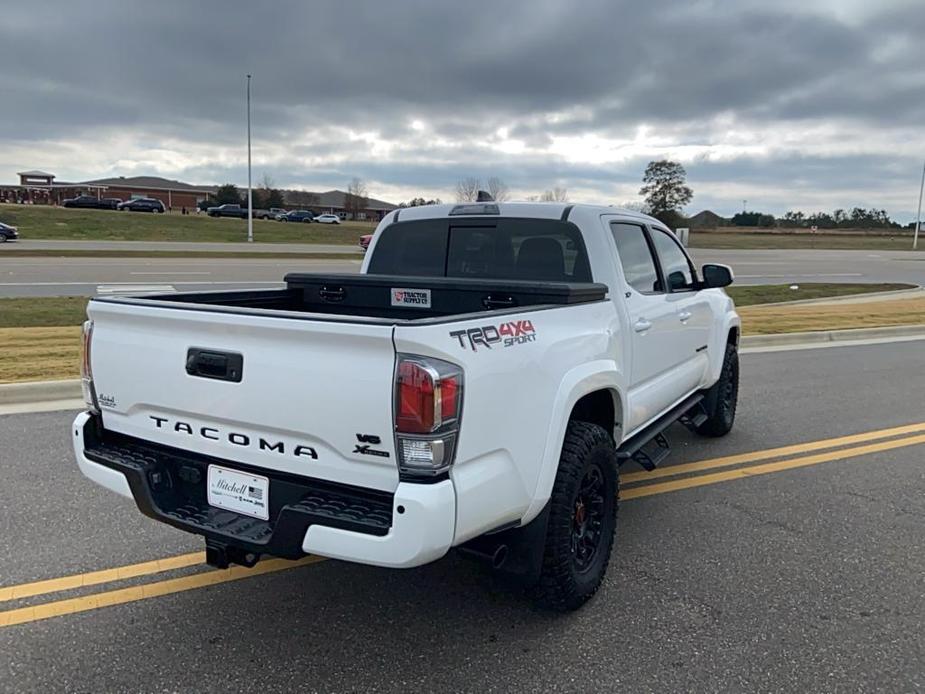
(229, 194)
(273, 198)
(753, 219)
(665, 191)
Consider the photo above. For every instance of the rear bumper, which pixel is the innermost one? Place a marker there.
(413, 526)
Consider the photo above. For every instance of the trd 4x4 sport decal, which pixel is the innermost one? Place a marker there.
(506, 335)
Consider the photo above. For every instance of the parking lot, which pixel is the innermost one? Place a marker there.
(787, 556)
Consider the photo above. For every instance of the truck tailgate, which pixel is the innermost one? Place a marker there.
(311, 397)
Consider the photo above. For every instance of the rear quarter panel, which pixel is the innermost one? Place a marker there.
(518, 393)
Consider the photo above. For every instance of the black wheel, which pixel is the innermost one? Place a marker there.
(722, 397)
(2, 238)
(582, 519)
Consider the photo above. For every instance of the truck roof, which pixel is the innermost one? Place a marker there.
(538, 210)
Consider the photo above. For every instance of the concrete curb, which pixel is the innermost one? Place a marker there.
(49, 391)
(845, 298)
(819, 336)
(39, 391)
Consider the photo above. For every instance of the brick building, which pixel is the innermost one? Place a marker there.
(40, 187)
(174, 194)
(335, 202)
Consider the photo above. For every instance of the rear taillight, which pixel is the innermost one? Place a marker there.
(86, 371)
(428, 406)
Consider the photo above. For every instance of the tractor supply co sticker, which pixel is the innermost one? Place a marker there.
(238, 491)
(418, 298)
(506, 335)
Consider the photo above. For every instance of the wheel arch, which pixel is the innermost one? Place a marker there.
(594, 392)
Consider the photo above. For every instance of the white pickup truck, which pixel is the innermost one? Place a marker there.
(477, 386)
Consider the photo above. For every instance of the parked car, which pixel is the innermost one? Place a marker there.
(8, 233)
(296, 216)
(327, 219)
(326, 418)
(110, 203)
(364, 241)
(142, 205)
(90, 203)
(227, 210)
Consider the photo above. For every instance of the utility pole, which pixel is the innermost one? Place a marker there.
(250, 193)
(918, 215)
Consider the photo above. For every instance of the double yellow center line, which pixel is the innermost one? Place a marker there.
(640, 484)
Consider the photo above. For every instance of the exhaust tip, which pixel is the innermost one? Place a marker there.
(499, 557)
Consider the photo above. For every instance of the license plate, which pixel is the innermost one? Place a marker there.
(240, 492)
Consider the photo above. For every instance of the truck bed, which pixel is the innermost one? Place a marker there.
(384, 297)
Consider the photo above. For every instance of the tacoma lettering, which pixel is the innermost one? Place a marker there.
(234, 437)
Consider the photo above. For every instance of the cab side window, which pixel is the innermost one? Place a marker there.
(676, 268)
(636, 257)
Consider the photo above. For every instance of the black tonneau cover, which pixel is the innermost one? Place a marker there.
(432, 296)
(378, 298)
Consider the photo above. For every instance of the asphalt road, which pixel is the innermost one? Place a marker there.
(91, 276)
(48, 276)
(740, 577)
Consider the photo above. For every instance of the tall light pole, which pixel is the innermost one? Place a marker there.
(250, 193)
(918, 215)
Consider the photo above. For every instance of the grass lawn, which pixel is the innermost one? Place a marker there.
(45, 222)
(39, 354)
(746, 240)
(774, 293)
(43, 312)
(766, 320)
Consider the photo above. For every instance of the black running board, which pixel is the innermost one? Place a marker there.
(632, 448)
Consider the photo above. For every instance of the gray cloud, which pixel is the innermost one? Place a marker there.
(532, 91)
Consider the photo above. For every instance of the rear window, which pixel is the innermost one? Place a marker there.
(505, 248)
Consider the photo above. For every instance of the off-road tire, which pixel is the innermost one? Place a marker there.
(722, 397)
(565, 585)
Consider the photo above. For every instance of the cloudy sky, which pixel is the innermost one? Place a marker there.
(792, 104)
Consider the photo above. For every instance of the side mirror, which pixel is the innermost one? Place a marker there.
(716, 276)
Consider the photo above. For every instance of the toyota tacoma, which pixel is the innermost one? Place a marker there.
(477, 386)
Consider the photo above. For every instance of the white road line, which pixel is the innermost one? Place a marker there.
(122, 288)
(165, 272)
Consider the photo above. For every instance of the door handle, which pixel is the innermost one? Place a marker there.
(684, 316)
(221, 366)
(641, 325)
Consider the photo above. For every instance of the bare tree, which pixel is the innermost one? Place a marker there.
(498, 189)
(467, 189)
(557, 194)
(356, 199)
(267, 194)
